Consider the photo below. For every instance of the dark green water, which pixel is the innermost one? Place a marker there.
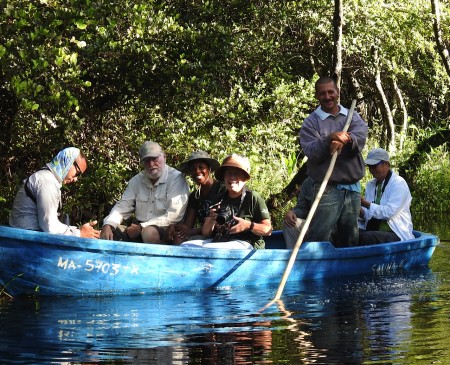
(400, 318)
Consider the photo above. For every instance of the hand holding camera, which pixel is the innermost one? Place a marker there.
(225, 215)
(240, 225)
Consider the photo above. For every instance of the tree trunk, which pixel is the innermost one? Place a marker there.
(359, 96)
(442, 50)
(292, 189)
(386, 110)
(404, 130)
(337, 47)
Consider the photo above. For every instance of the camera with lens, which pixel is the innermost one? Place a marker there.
(225, 215)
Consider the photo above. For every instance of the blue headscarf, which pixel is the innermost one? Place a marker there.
(63, 161)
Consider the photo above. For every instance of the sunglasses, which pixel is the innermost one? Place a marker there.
(77, 169)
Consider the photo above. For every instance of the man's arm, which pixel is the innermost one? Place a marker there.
(125, 207)
(120, 211)
(107, 233)
(315, 146)
(48, 196)
(394, 201)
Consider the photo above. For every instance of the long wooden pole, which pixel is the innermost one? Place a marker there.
(310, 215)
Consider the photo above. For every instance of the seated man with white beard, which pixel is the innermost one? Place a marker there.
(157, 197)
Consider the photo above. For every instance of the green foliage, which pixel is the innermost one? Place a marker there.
(431, 186)
(261, 124)
(222, 76)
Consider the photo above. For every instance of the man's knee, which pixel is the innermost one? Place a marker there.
(150, 235)
(153, 234)
(291, 234)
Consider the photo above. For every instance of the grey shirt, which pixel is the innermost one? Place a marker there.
(315, 141)
(42, 215)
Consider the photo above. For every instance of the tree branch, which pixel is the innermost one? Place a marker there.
(442, 50)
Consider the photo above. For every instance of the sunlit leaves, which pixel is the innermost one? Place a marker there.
(80, 24)
(223, 76)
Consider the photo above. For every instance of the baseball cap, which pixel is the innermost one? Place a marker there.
(376, 155)
(150, 149)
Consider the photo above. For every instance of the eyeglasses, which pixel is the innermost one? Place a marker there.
(77, 168)
(378, 163)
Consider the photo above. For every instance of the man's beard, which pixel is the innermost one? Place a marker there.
(154, 175)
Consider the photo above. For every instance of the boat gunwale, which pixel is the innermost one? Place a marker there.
(315, 260)
(308, 250)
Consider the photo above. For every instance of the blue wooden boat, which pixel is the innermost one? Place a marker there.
(47, 264)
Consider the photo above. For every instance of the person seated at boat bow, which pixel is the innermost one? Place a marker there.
(38, 200)
(242, 217)
(157, 196)
(200, 166)
(385, 214)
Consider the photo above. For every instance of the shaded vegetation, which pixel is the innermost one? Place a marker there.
(222, 76)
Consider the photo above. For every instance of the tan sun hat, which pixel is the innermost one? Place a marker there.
(198, 155)
(234, 160)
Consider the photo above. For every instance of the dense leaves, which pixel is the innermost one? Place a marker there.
(222, 76)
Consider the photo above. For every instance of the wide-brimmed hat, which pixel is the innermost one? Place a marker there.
(198, 155)
(149, 149)
(376, 155)
(234, 160)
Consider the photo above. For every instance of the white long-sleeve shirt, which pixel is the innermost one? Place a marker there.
(42, 215)
(160, 204)
(394, 206)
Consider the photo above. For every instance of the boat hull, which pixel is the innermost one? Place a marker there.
(44, 264)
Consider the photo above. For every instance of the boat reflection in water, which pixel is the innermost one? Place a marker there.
(330, 321)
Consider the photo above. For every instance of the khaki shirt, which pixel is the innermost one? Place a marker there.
(160, 204)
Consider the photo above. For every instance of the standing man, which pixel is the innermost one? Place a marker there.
(39, 198)
(157, 196)
(320, 136)
(385, 214)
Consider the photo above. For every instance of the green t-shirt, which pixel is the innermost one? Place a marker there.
(251, 207)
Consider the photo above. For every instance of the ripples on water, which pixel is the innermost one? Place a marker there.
(400, 318)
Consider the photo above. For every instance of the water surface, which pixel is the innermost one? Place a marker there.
(397, 318)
